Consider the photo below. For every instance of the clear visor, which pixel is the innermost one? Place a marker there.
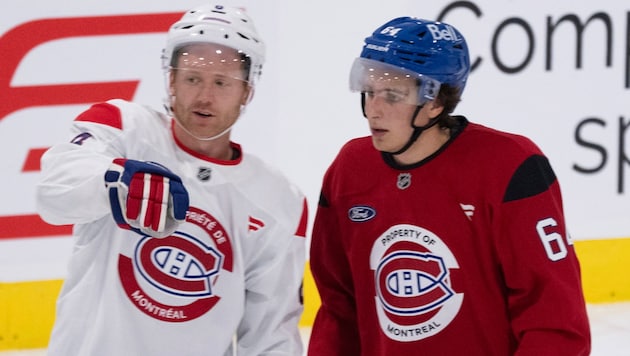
(211, 58)
(203, 66)
(392, 83)
(221, 83)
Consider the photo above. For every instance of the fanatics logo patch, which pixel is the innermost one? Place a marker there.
(468, 209)
(255, 224)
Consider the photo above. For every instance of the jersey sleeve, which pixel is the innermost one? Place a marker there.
(71, 189)
(273, 300)
(541, 270)
(335, 331)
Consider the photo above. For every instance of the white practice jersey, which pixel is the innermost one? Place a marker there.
(232, 271)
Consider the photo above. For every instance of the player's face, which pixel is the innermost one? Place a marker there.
(208, 89)
(389, 113)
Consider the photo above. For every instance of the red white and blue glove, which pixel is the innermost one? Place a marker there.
(146, 197)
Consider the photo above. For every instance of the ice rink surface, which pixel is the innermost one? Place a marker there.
(610, 328)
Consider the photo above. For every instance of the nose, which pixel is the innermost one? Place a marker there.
(372, 106)
(206, 93)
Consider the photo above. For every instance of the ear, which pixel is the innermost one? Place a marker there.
(171, 80)
(247, 95)
(435, 108)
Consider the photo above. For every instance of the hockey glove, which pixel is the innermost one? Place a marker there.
(146, 197)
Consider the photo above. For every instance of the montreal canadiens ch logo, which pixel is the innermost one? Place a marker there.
(412, 269)
(172, 278)
(179, 266)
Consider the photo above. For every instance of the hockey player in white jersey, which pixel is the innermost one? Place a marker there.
(183, 243)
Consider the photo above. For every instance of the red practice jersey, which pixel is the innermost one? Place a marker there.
(464, 253)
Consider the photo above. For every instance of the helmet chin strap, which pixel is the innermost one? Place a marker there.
(417, 130)
(211, 138)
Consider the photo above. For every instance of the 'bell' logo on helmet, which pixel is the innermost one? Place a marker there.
(448, 33)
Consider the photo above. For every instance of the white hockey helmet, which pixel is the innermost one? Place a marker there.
(223, 25)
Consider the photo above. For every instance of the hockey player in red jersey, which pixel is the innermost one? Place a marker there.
(436, 235)
(185, 244)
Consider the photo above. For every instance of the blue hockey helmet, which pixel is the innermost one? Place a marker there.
(434, 52)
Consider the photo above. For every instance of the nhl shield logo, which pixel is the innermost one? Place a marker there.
(404, 181)
(204, 174)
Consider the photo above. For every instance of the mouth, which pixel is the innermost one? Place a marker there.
(377, 131)
(204, 114)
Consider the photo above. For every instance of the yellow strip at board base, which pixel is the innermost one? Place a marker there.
(27, 309)
(27, 312)
(605, 269)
